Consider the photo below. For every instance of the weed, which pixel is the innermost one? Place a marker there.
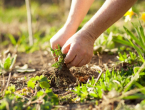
(58, 55)
(29, 99)
(107, 82)
(7, 63)
(127, 58)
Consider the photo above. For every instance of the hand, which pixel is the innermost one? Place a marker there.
(61, 37)
(79, 49)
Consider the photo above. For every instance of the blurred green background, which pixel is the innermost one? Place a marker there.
(48, 16)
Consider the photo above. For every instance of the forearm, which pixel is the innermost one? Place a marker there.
(79, 9)
(108, 14)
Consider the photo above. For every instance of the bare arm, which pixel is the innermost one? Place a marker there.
(79, 47)
(78, 11)
(109, 13)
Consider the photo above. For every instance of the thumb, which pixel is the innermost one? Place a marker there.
(65, 48)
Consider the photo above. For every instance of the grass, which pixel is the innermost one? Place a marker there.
(20, 13)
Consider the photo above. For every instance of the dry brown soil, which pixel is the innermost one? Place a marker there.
(41, 61)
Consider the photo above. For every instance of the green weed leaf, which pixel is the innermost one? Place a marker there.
(31, 84)
(44, 83)
(7, 63)
(142, 34)
(12, 39)
(58, 55)
(40, 93)
(133, 37)
(135, 96)
(135, 69)
(122, 41)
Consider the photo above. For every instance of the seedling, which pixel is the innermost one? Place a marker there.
(122, 57)
(7, 64)
(62, 74)
(127, 58)
(37, 92)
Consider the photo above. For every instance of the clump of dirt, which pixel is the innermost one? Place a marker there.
(62, 78)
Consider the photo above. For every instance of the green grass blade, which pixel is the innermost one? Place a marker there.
(133, 37)
(135, 96)
(7, 62)
(139, 51)
(142, 34)
(122, 41)
(12, 39)
(140, 87)
(138, 33)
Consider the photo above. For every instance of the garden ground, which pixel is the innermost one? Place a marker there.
(42, 62)
(76, 87)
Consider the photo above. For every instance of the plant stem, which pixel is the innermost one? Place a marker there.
(98, 76)
(29, 22)
(7, 83)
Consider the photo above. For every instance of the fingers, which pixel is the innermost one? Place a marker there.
(75, 61)
(83, 62)
(76, 64)
(76, 56)
(72, 53)
(65, 48)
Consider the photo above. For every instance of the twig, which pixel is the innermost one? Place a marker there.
(99, 75)
(3, 83)
(7, 83)
(35, 101)
(36, 89)
(29, 22)
(22, 96)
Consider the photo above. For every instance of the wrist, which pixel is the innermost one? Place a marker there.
(92, 33)
(71, 25)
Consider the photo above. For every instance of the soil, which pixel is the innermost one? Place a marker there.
(41, 61)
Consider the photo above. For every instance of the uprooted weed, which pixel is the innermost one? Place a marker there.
(62, 75)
